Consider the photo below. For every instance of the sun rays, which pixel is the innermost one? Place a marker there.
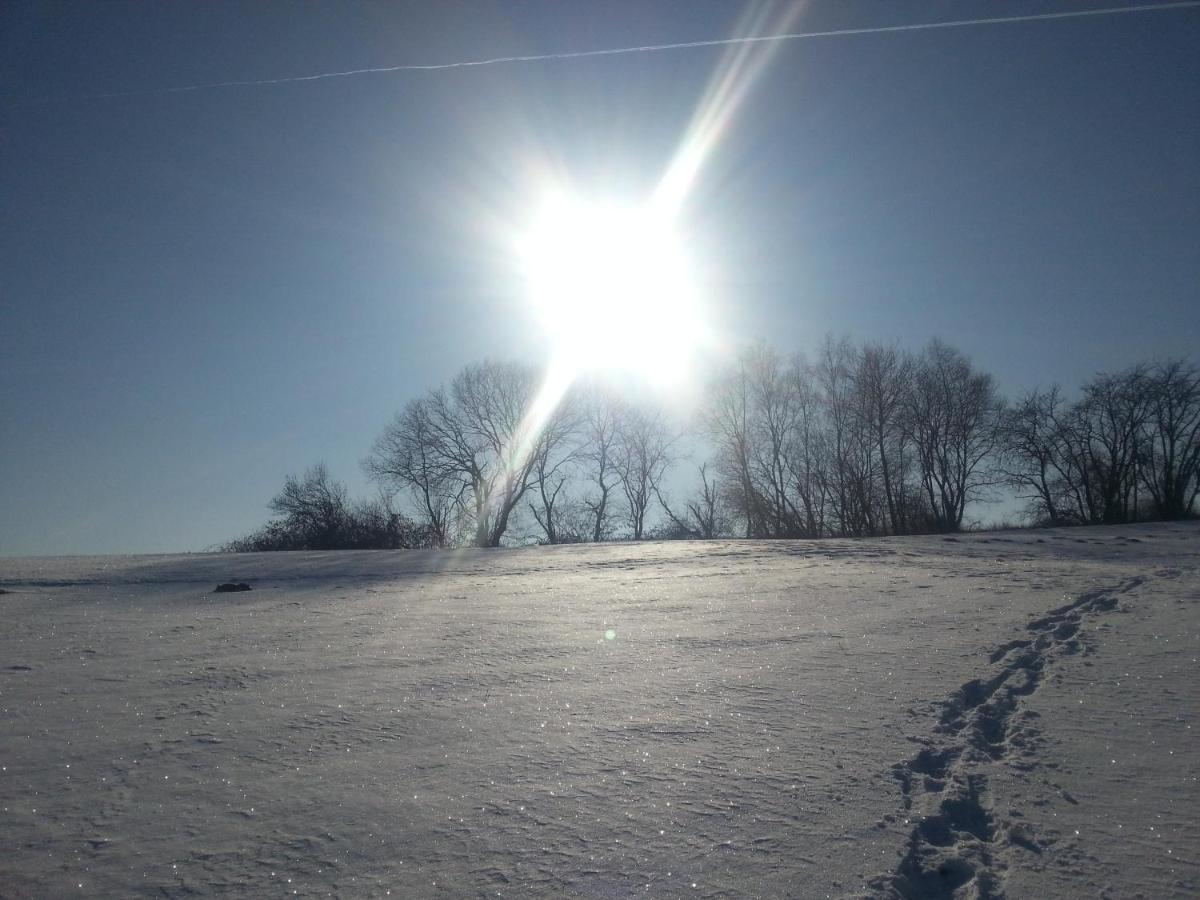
(612, 284)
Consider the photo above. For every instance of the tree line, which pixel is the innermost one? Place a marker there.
(864, 439)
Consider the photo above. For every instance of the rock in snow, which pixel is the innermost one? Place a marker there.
(229, 587)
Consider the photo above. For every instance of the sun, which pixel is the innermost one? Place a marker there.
(613, 287)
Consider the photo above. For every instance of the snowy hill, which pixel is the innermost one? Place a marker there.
(1004, 714)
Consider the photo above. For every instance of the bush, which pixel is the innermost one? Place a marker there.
(315, 514)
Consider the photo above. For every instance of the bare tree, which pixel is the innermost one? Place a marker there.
(477, 446)
(881, 376)
(757, 420)
(705, 509)
(500, 417)
(1081, 460)
(643, 456)
(728, 423)
(556, 455)
(808, 450)
(550, 480)
(852, 460)
(867, 441)
(1033, 460)
(1072, 433)
(808, 454)
(598, 455)
(1107, 428)
(409, 455)
(1170, 450)
(315, 507)
(703, 514)
(952, 417)
(775, 408)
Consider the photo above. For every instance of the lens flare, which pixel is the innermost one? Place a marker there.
(739, 69)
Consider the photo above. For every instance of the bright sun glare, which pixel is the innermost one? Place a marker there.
(612, 284)
(613, 287)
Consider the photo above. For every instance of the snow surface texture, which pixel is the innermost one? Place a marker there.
(991, 715)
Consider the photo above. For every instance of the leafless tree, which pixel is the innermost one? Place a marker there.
(831, 448)
(808, 453)
(315, 506)
(703, 514)
(550, 480)
(761, 420)
(1033, 460)
(952, 417)
(852, 460)
(598, 457)
(478, 445)
(881, 376)
(1170, 450)
(556, 455)
(728, 423)
(1085, 462)
(408, 454)
(495, 409)
(643, 456)
(772, 422)
(1105, 431)
(706, 508)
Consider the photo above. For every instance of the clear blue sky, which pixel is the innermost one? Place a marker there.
(201, 292)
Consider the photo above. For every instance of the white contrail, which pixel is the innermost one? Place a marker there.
(653, 48)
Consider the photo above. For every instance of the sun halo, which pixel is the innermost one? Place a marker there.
(613, 288)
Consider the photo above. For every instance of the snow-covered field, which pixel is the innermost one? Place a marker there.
(1009, 714)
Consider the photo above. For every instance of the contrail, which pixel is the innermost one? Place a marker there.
(648, 48)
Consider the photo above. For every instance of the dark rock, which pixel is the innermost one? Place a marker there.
(230, 587)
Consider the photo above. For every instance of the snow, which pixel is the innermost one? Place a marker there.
(1004, 714)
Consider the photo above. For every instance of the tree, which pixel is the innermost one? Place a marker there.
(881, 377)
(643, 456)
(1033, 460)
(602, 415)
(1104, 431)
(952, 417)
(703, 514)
(705, 508)
(809, 450)
(772, 422)
(504, 419)
(552, 470)
(1085, 462)
(728, 422)
(314, 508)
(851, 469)
(406, 455)
(808, 453)
(476, 447)
(1170, 450)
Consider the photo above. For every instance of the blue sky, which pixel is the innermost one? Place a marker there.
(201, 292)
